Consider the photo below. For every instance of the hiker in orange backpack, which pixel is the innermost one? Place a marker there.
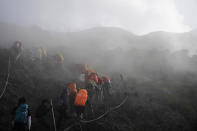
(80, 102)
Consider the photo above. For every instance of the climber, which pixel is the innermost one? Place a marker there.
(100, 91)
(94, 77)
(93, 91)
(61, 105)
(80, 102)
(106, 86)
(43, 115)
(16, 50)
(121, 77)
(72, 88)
(72, 91)
(21, 116)
(91, 88)
(59, 60)
(40, 54)
(87, 74)
(98, 86)
(100, 81)
(44, 52)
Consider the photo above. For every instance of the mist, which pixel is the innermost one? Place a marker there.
(137, 16)
(111, 49)
(158, 69)
(146, 47)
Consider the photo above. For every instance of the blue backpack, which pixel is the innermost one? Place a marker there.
(21, 114)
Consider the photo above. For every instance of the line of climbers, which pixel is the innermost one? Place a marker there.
(38, 54)
(88, 88)
(72, 100)
(75, 99)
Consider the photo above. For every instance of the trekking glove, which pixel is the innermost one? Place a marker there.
(29, 123)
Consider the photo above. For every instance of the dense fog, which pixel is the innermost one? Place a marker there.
(112, 49)
(110, 65)
(157, 71)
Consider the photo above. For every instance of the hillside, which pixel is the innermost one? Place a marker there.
(161, 84)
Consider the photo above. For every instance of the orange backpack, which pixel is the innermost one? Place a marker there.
(81, 97)
(72, 88)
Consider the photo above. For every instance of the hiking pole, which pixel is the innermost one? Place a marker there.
(53, 115)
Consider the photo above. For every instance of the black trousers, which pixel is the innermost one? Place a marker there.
(79, 110)
(20, 127)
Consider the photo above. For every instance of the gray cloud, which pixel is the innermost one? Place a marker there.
(138, 16)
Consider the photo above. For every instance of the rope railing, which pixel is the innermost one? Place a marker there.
(98, 118)
(110, 110)
(7, 79)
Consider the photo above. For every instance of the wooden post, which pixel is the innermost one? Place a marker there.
(54, 123)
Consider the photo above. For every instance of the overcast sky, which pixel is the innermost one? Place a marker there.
(137, 16)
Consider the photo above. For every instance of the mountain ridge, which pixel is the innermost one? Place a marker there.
(102, 37)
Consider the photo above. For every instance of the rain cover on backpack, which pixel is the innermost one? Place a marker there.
(81, 97)
(21, 114)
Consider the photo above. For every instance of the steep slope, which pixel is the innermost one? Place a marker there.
(154, 103)
(162, 92)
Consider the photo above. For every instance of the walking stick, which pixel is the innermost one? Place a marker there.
(53, 115)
